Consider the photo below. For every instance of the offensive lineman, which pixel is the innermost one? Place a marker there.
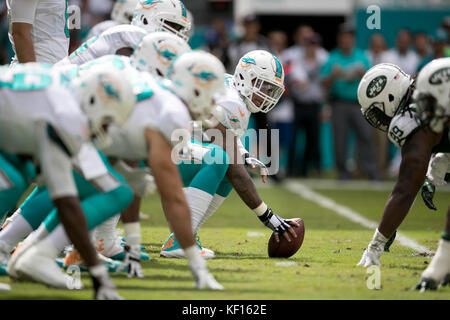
(55, 135)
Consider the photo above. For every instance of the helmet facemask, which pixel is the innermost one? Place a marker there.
(377, 117)
(264, 95)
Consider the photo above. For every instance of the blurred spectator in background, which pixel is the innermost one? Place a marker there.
(307, 93)
(377, 54)
(438, 41)
(422, 47)
(282, 116)
(402, 55)
(377, 49)
(251, 40)
(217, 40)
(341, 75)
(446, 26)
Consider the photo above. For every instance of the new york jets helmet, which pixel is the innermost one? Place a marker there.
(432, 94)
(123, 10)
(105, 98)
(259, 78)
(382, 92)
(156, 51)
(197, 77)
(162, 15)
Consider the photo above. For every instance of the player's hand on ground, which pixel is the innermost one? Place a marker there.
(104, 288)
(278, 225)
(371, 256)
(427, 192)
(203, 279)
(132, 262)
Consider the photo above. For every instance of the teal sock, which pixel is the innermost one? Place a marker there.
(445, 236)
(18, 184)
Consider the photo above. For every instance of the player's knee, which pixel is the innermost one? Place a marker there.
(218, 159)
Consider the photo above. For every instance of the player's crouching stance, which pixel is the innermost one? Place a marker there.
(385, 96)
(256, 86)
(194, 79)
(432, 98)
(35, 125)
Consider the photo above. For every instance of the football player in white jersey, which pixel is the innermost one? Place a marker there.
(38, 30)
(432, 97)
(149, 16)
(196, 77)
(256, 86)
(385, 95)
(54, 135)
(122, 13)
(158, 46)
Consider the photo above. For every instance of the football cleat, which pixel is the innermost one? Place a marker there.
(21, 248)
(426, 284)
(37, 263)
(74, 258)
(171, 249)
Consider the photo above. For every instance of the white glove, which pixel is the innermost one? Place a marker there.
(103, 286)
(203, 279)
(372, 254)
(132, 261)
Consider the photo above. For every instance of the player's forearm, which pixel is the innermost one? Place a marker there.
(23, 44)
(243, 184)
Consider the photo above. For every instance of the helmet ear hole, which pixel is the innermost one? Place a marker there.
(145, 21)
(390, 97)
(196, 92)
(92, 100)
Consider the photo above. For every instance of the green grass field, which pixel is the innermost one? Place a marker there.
(324, 268)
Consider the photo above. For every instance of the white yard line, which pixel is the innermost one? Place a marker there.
(363, 185)
(325, 202)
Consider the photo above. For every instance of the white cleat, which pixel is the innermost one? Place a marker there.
(38, 264)
(179, 253)
(5, 251)
(22, 247)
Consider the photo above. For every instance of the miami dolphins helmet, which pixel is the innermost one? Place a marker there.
(259, 78)
(105, 99)
(123, 10)
(197, 77)
(156, 51)
(162, 15)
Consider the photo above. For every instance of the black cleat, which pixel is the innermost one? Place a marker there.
(446, 281)
(426, 284)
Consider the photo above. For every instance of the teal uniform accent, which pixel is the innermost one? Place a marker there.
(66, 27)
(10, 196)
(28, 81)
(97, 206)
(342, 89)
(84, 46)
(207, 174)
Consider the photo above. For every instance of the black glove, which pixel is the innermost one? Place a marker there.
(274, 222)
(427, 192)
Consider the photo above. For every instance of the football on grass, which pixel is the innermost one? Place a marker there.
(284, 248)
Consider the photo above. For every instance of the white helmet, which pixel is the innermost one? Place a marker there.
(197, 77)
(432, 95)
(156, 51)
(162, 15)
(259, 78)
(105, 98)
(123, 10)
(382, 92)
